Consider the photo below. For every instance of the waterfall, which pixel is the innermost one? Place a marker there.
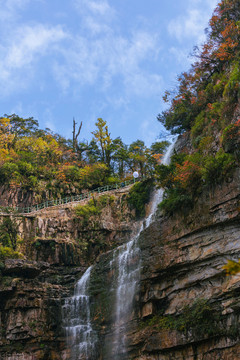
(127, 263)
(81, 339)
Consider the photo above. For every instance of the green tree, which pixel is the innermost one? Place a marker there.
(102, 137)
(19, 127)
(120, 156)
(137, 156)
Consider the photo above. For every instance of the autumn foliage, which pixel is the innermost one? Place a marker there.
(205, 105)
(212, 80)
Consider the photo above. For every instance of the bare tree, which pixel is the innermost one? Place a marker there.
(76, 135)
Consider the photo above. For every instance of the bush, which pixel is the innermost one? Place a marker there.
(200, 319)
(92, 176)
(105, 200)
(93, 207)
(7, 252)
(176, 200)
(217, 168)
(8, 233)
(8, 171)
(111, 180)
(85, 211)
(230, 139)
(139, 195)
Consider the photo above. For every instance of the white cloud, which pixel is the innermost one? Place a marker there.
(181, 55)
(9, 8)
(32, 41)
(190, 26)
(23, 48)
(106, 58)
(193, 23)
(94, 54)
(99, 7)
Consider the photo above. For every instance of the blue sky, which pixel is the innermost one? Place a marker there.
(96, 58)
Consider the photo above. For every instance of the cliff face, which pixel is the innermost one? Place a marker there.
(186, 307)
(192, 305)
(59, 247)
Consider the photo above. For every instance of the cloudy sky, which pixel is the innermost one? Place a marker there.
(96, 58)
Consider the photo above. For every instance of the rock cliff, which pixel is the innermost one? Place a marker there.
(186, 307)
(58, 246)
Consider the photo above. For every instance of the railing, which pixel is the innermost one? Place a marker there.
(68, 199)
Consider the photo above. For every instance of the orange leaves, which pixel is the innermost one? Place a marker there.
(229, 40)
(157, 157)
(210, 106)
(187, 174)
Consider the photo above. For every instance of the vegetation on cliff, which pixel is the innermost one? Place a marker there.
(205, 106)
(42, 161)
(139, 196)
(9, 241)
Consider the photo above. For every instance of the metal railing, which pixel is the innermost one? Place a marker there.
(68, 199)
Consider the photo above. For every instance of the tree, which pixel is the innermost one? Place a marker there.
(19, 127)
(120, 156)
(102, 137)
(207, 83)
(76, 134)
(137, 155)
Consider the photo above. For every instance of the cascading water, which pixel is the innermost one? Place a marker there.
(81, 339)
(127, 262)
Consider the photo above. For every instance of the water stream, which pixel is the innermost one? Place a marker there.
(81, 338)
(128, 265)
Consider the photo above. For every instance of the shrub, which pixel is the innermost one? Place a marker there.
(85, 211)
(230, 139)
(197, 128)
(200, 319)
(139, 195)
(176, 200)
(217, 168)
(8, 171)
(188, 176)
(7, 252)
(93, 207)
(111, 180)
(92, 176)
(8, 232)
(105, 200)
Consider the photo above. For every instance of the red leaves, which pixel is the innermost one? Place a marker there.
(187, 174)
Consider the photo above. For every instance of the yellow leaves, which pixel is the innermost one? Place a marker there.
(232, 267)
(48, 149)
(4, 122)
(157, 157)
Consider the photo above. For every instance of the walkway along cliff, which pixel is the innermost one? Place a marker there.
(184, 307)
